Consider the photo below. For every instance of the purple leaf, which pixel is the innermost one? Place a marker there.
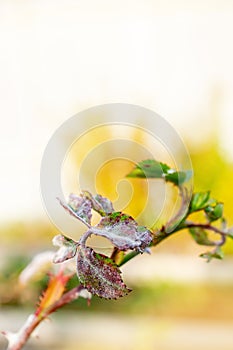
(67, 248)
(79, 207)
(99, 274)
(102, 205)
(123, 231)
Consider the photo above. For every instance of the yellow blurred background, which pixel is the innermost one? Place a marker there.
(173, 57)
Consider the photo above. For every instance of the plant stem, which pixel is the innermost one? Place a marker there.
(84, 237)
(160, 235)
(189, 224)
(19, 339)
(128, 257)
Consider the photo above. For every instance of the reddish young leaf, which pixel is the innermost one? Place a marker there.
(123, 231)
(53, 293)
(99, 274)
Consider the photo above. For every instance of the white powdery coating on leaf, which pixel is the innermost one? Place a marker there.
(81, 206)
(67, 248)
(83, 213)
(85, 294)
(124, 232)
(100, 275)
(105, 203)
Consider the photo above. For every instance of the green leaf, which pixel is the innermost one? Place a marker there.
(177, 177)
(78, 207)
(123, 231)
(100, 204)
(67, 248)
(200, 200)
(200, 236)
(214, 212)
(216, 254)
(99, 274)
(151, 168)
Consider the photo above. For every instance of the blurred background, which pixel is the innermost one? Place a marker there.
(174, 57)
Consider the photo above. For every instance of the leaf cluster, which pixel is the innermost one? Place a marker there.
(100, 274)
(211, 209)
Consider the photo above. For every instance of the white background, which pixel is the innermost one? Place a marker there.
(60, 57)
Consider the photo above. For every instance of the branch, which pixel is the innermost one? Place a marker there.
(158, 237)
(161, 234)
(190, 224)
(209, 227)
(16, 341)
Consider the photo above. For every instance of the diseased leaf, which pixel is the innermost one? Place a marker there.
(99, 274)
(81, 206)
(67, 250)
(151, 168)
(123, 231)
(78, 207)
(201, 236)
(100, 204)
(105, 203)
(216, 254)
